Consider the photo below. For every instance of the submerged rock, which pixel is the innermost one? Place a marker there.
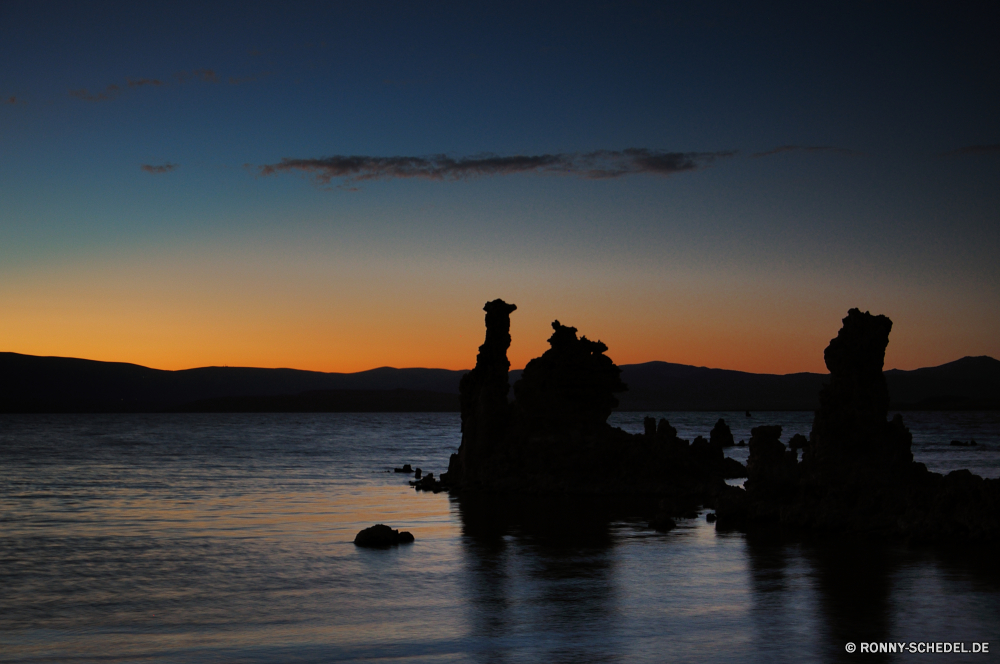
(380, 535)
(662, 524)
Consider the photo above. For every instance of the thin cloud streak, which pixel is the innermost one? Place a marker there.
(112, 91)
(601, 164)
(992, 148)
(205, 75)
(109, 92)
(157, 170)
(144, 81)
(805, 148)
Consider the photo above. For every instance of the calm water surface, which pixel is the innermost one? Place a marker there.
(228, 538)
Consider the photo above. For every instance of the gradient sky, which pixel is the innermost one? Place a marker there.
(342, 186)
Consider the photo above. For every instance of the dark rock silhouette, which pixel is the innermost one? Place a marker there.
(553, 438)
(405, 469)
(428, 483)
(721, 434)
(649, 426)
(379, 536)
(797, 442)
(662, 524)
(571, 386)
(857, 472)
(483, 392)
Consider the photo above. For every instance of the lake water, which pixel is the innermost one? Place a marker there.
(228, 538)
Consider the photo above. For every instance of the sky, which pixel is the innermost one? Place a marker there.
(342, 186)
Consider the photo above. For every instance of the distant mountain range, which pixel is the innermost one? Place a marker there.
(971, 383)
(31, 384)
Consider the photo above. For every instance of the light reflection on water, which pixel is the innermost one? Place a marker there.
(229, 538)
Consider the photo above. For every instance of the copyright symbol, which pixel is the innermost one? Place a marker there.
(850, 647)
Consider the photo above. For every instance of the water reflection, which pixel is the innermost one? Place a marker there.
(542, 572)
(211, 539)
(824, 592)
(571, 581)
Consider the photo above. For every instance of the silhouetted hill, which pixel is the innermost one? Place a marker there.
(971, 383)
(667, 386)
(57, 384)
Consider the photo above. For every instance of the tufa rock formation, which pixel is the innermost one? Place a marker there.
(483, 393)
(571, 386)
(857, 472)
(553, 438)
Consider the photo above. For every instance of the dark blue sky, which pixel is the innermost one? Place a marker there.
(706, 183)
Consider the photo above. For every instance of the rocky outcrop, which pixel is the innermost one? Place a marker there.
(571, 386)
(483, 392)
(553, 438)
(850, 434)
(857, 472)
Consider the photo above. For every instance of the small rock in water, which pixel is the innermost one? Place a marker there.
(428, 483)
(662, 523)
(710, 517)
(417, 474)
(405, 469)
(381, 535)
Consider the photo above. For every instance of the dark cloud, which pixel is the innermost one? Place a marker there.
(9, 100)
(109, 92)
(804, 148)
(144, 81)
(992, 148)
(156, 170)
(592, 165)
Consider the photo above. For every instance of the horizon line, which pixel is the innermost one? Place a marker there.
(347, 373)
